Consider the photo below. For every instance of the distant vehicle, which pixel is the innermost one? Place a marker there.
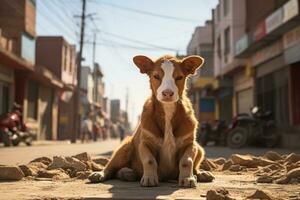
(12, 129)
(256, 128)
(216, 133)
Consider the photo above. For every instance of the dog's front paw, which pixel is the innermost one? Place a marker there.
(149, 181)
(190, 181)
(97, 177)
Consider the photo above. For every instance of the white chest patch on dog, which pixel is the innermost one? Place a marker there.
(168, 150)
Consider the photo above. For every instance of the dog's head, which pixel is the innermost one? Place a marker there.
(168, 74)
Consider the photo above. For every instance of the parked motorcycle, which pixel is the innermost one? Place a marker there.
(12, 129)
(216, 133)
(257, 127)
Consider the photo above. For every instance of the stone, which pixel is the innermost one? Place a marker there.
(243, 160)
(282, 180)
(45, 160)
(227, 165)
(235, 168)
(101, 160)
(220, 161)
(260, 161)
(272, 155)
(83, 157)
(56, 174)
(219, 194)
(11, 173)
(127, 174)
(294, 173)
(94, 166)
(32, 168)
(259, 194)
(264, 179)
(292, 158)
(83, 175)
(208, 165)
(67, 162)
(205, 176)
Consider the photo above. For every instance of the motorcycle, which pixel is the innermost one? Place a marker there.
(216, 133)
(257, 127)
(13, 130)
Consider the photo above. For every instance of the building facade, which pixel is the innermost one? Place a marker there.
(200, 85)
(271, 44)
(58, 56)
(21, 81)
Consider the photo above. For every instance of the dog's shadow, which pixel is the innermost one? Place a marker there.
(132, 190)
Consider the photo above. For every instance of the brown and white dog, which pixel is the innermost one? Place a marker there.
(163, 146)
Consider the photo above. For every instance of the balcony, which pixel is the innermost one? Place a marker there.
(269, 30)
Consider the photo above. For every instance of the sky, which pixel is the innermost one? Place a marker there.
(124, 29)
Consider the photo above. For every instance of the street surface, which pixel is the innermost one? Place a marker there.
(24, 154)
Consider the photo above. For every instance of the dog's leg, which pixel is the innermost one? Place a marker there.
(186, 166)
(150, 177)
(198, 160)
(119, 159)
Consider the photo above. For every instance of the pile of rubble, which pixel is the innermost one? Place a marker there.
(57, 168)
(269, 168)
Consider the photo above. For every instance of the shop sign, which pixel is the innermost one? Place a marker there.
(260, 31)
(290, 10)
(274, 20)
(291, 38)
(242, 44)
(267, 53)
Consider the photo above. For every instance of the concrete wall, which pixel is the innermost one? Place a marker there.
(235, 21)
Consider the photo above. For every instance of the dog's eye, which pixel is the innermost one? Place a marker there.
(156, 77)
(178, 78)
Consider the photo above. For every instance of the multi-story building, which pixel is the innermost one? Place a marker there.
(271, 44)
(57, 55)
(115, 110)
(99, 87)
(33, 87)
(234, 89)
(87, 91)
(202, 98)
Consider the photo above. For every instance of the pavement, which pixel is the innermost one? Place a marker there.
(24, 154)
(238, 184)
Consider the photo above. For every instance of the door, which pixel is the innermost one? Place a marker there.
(46, 96)
(4, 98)
(244, 101)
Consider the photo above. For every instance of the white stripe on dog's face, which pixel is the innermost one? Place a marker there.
(168, 82)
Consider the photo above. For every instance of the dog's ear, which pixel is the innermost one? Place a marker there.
(144, 63)
(190, 64)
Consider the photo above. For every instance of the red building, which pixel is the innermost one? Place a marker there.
(57, 55)
(33, 87)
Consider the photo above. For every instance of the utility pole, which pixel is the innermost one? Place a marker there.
(77, 124)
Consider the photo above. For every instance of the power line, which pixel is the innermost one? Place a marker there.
(143, 12)
(138, 41)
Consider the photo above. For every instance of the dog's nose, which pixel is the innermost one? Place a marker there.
(167, 93)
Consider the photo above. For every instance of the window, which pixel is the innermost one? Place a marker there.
(65, 50)
(225, 7)
(28, 47)
(219, 47)
(227, 41)
(32, 95)
(218, 13)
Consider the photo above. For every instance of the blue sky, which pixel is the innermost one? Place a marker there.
(56, 17)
